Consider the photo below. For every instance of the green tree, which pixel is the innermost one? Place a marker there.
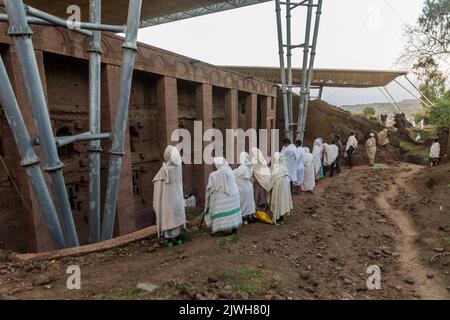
(440, 112)
(369, 112)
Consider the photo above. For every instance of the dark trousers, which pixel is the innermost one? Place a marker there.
(350, 157)
(338, 164)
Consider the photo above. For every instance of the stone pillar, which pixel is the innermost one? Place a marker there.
(37, 236)
(231, 119)
(204, 100)
(167, 104)
(125, 214)
(251, 110)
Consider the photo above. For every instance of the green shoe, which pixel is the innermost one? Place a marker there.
(180, 242)
(169, 244)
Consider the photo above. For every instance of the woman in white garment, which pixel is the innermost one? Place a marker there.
(168, 200)
(281, 198)
(244, 181)
(222, 204)
(262, 181)
(435, 153)
(309, 182)
(317, 156)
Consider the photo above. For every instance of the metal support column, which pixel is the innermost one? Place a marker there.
(21, 34)
(29, 159)
(310, 71)
(304, 78)
(287, 119)
(118, 140)
(289, 58)
(95, 60)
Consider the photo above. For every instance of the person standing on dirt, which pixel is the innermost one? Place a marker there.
(435, 152)
(168, 199)
(281, 198)
(222, 205)
(300, 166)
(350, 148)
(338, 142)
(244, 176)
(371, 148)
(290, 155)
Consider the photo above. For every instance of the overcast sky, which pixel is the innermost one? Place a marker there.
(354, 34)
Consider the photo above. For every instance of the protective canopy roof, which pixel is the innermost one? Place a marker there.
(153, 11)
(327, 77)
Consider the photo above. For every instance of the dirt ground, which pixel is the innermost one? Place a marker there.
(392, 217)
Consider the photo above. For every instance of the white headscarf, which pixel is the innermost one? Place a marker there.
(245, 170)
(171, 157)
(260, 169)
(222, 179)
(279, 167)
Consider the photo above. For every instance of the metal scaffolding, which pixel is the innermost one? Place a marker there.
(309, 52)
(57, 212)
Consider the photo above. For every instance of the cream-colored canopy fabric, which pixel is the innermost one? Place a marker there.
(153, 11)
(327, 77)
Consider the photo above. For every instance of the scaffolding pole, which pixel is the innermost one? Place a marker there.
(95, 149)
(287, 119)
(21, 33)
(30, 161)
(118, 139)
(310, 72)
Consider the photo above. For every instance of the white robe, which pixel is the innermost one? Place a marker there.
(290, 155)
(317, 155)
(435, 150)
(351, 142)
(244, 183)
(281, 198)
(330, 155)
(168, 199)
(222, 204)
(309, 182)
(300, 167)
(261, 172)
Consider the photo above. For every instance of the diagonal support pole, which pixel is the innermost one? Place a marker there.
(30, 161)
(21, 34)
(117, 150)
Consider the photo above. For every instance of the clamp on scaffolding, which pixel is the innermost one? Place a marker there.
(309, 53)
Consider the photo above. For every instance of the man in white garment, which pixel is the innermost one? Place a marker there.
(244, 181)
(168, 199)
(435, 152)
(309, 181)
(290, 155)
(352, 145)
(281, 198)
(300, 165)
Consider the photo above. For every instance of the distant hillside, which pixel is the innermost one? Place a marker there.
(409, 107)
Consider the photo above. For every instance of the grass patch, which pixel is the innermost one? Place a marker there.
(446, 242)
(223, 242)
(244, 280)
(420, 150)
(132, 293)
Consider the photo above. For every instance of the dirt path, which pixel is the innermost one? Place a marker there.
(410, 255)
(322, 252)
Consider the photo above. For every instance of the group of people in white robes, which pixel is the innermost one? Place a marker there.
(232, 197)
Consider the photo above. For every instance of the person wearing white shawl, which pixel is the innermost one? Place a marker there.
(317, 156)
(244, 175)
(262, 182)
(371, 148)
(281, 198)
(350, 148)
(309, 182)
(290, 155)
(222, 204)
(168, 200)
(300, 164)
(435, 152)
(330, 154)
